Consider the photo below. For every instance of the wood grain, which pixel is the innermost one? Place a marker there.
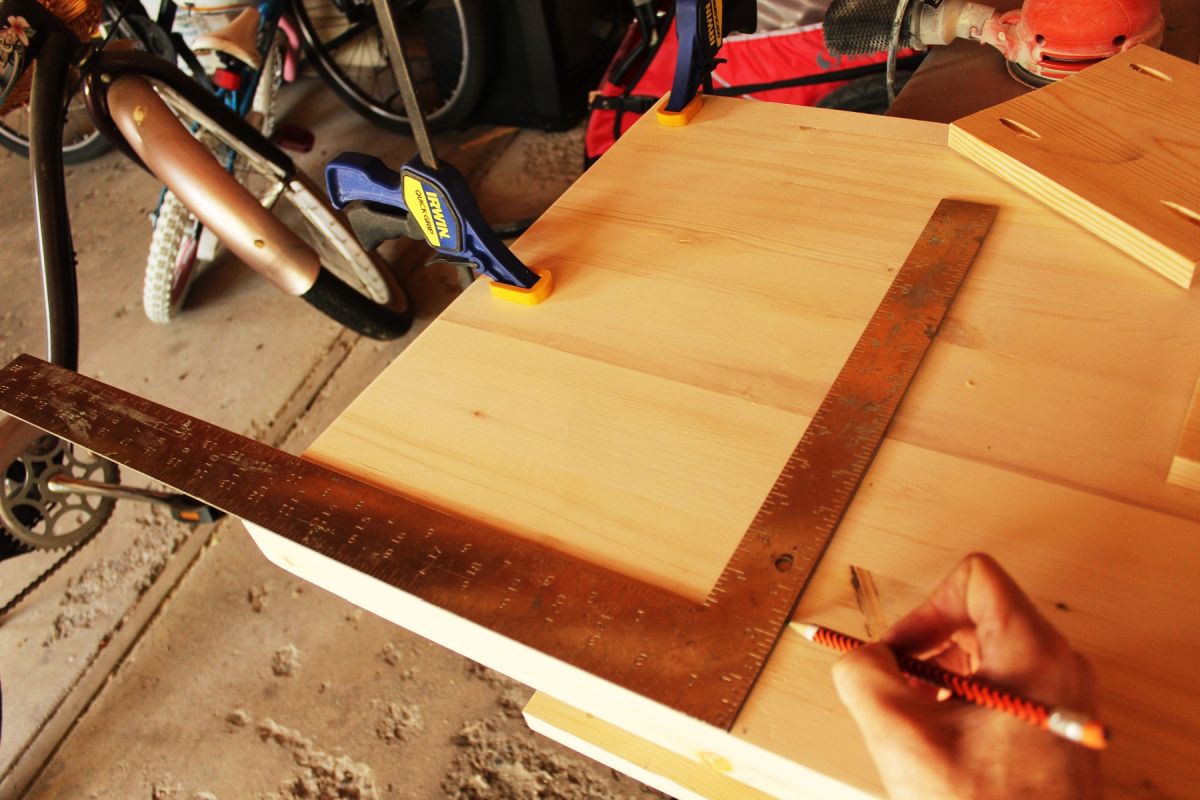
(1185, 467)
(1115, 148)
(683, 779)
(710, 281)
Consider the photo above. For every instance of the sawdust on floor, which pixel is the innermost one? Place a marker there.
(496, 761)
(320, 775)
(552, 157)
(371, 713)
(84, 601)
(400, 722)
(285, 661)
(256, 596)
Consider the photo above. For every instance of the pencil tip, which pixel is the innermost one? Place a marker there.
(1095, 736)
(805, 629)
(1078, 727)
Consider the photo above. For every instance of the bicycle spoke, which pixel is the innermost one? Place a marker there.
(349, 34)
(439, 37)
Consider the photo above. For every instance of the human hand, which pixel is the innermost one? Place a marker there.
(977, 621)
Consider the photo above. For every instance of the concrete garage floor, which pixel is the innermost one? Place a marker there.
(176, 664)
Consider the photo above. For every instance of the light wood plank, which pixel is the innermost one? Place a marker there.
(639, 416)
(1123, 576)
(1115, 148)
(681, 778)
(1185, 467)
(623, 450)
(1097, 568)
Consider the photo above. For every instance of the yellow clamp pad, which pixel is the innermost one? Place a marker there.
(529, 297)
(674, 119)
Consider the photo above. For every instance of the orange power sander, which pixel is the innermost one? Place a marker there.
(1042, 41)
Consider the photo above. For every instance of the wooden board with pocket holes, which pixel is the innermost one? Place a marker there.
(1115, 148)
(1185, 467)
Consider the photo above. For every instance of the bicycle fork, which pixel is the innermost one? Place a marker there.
(122, 90)
(185, 165)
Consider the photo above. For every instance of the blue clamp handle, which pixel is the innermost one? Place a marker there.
(441, 204)
(701, 26)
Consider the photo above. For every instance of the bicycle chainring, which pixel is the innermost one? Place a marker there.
(41, 519)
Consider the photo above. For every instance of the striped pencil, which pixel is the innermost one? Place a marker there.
(1071, 725)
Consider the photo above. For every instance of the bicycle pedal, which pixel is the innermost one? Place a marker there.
(197, 514)
(293, 137)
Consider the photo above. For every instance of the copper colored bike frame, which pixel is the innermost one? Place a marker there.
(222, 204)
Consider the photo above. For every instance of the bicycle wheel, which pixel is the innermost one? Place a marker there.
(81, 141)
(171, 265)
(174, 260)
(866, 95)
(270, 78)
(356, 288)
(446, 42)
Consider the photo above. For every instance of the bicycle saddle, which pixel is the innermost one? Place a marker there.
(238, 39)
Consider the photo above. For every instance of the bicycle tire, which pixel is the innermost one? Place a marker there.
(334, 298)
(383, 309)
(171, 265)
(81, 141)
(347, 50)
(865, 95)
(270, 79)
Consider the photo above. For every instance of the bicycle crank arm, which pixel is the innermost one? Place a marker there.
(182, 507)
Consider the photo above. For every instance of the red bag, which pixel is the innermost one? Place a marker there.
(749, 61)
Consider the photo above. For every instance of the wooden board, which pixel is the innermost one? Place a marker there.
(652, 764)
(707, 293)
(1185, 467)
(1115, 148)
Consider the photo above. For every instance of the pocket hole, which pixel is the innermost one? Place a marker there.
(1118, 41)
(1022, 130)
(1040, 39)
(1151, 71)
(1183, 212)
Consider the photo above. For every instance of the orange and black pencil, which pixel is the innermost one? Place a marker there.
(1071, 725)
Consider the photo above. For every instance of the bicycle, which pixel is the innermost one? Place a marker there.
(447, 40)
(54, 496)
(81, 141)
(447, 44)
(123, 20)
(243, 63)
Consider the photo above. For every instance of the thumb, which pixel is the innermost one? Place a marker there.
(880, 698)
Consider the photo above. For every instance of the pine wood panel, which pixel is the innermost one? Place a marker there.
(653, 765)
(710, 281)
(1115, 148)
(1117, 580)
